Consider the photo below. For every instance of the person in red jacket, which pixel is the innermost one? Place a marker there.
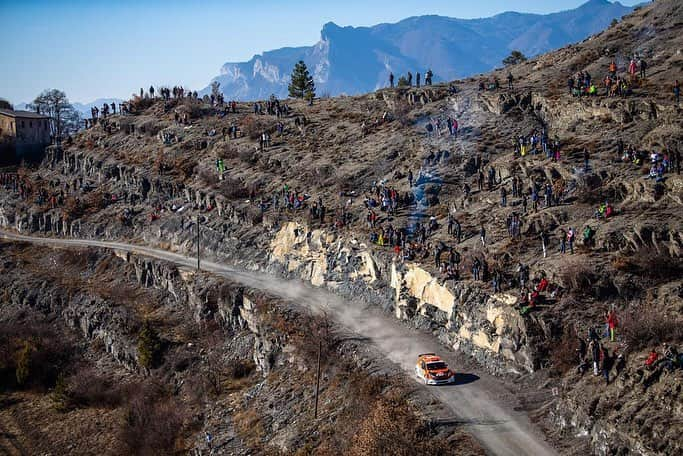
(651, 359)
(611, 320)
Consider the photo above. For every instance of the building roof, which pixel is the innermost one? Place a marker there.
(22, 114)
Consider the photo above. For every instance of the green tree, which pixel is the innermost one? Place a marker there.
(514, 58)
(60, 395)
(402, 81)
(302, 85)
(149, 346)
(4, 104)
(23, 363)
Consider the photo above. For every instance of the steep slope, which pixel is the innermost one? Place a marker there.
(143, 177)
(353, 60)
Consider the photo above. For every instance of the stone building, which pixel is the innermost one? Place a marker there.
(23, 135)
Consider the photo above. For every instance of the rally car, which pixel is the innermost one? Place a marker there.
(432, 370)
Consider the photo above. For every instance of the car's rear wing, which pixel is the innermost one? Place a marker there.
(426, 354)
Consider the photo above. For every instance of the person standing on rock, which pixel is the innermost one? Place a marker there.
(544, 243)
(476, 266)
(586, 157)
(548, 195)
(151, 91)
(563, 241)
(417, 80)
(677, 91)
(594, 350)
(428, 77)
(510, 79)
(570, 239)
(642, 64)
(410, 79)
(482, 236)
(457, 230)
(391, 80)
(503, 196)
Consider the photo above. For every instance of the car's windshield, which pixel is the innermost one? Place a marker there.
(436, 365)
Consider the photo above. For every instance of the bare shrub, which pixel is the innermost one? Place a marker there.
(226, 150)
(392, 427)
(151, 128)
(73, 208)
(86, 388)
(308, 334)
(32, 355)
(253, 127)
(185, 165)
(138, 104)
(153, 422)
(657, 265)
(208, 177)
(648, 324)
(242, 368)
(233, 188)
(563, 353)
(578, 277)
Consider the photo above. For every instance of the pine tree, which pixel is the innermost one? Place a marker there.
(302, 85)
(514, 58)
(149, 346)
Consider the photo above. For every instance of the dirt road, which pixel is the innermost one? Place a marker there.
(483, 405)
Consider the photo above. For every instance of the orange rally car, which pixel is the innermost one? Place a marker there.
(432, 370)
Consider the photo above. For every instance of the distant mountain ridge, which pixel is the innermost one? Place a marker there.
(353, 60)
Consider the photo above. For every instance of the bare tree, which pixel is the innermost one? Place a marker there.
(54, 103)
(215, 89)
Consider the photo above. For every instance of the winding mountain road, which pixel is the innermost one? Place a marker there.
(484, 406)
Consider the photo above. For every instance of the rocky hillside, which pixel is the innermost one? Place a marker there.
(148, 178)
(355, 60)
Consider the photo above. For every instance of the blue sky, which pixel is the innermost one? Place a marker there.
(94, 49)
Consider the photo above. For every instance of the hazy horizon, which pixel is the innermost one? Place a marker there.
(97, 50)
